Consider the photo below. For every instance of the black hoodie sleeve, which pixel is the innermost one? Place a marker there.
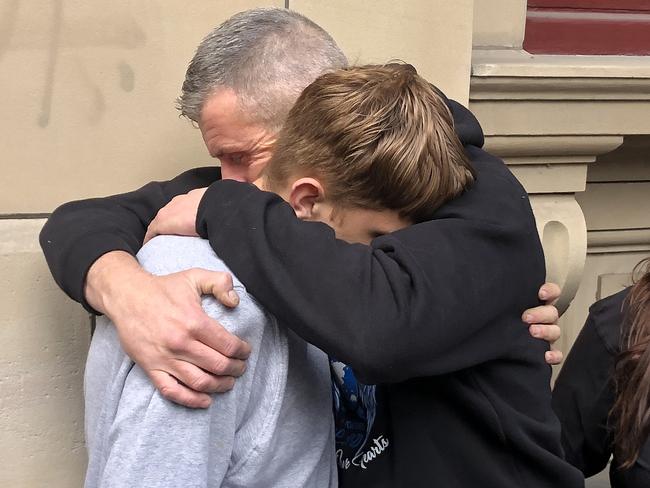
(422, 301)
(584, 392)
(78, 233)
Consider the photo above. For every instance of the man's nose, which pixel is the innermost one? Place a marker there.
(237, 172)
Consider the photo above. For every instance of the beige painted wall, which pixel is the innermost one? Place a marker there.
(499, 23)
(433, 35)
(87, 91)
(89, 102)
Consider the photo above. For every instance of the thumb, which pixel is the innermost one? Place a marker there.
(151, 233)
(216, 283)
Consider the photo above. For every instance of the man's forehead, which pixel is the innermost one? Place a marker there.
(223, 125)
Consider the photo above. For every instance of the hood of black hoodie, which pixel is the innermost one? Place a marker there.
(466, 125)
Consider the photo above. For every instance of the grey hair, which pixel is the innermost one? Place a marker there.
(267, 56)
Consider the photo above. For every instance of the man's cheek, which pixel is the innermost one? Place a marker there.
(255, 170)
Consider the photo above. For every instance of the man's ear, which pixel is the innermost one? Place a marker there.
(305, 194)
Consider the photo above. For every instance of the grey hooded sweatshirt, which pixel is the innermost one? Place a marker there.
(274, 429)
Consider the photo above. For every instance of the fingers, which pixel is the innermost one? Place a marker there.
(549, 293)
(554, 357)
(204, 358)
(175, 392)
(177, 217)
(549, 333)
(152, 228)
(223, 348)
(542, 321)
(544, 314)
(200, 381)
(230, 347)
(216, 283)
(151, 233)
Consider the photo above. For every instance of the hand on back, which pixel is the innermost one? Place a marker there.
(163, 327)
(178, 217)
(542, 321)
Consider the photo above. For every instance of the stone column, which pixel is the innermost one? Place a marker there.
(553, 169)
(550, 118)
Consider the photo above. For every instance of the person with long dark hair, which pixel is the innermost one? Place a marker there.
(602, 395)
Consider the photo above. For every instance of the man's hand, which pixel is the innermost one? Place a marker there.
(177, 217)
(164, 329)
(542, 321)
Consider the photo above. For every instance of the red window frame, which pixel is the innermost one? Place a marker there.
(620, 5)
(607, 27)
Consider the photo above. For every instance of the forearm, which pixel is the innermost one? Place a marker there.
(108, 277)
(79, 233)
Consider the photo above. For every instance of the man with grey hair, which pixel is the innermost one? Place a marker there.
(288, 49)
(239, 88)
(90, 244)
(275, 427)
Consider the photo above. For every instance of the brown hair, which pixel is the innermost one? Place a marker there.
(631, 411)
(379, 137)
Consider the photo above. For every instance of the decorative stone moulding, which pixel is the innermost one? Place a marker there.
(549, 117)
(624, 240)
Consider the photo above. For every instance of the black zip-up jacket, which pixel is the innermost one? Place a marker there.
(431, 314)
(585, 393)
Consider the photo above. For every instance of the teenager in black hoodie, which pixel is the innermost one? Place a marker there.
(463, 398)
(462, 395)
